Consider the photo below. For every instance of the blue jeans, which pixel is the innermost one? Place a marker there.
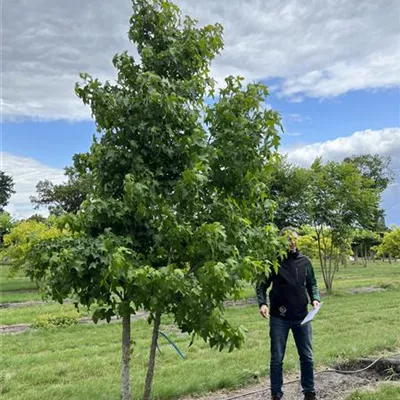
(279, 331)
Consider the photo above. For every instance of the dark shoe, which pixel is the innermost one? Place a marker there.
(309, 396)
(277, 396)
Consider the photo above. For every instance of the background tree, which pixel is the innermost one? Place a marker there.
(178, 214)
(6, 189)
(287, 186)
(339, 198)
(65, 197)
(308, 245)
(24, 235)
(6, 223)
(390, 245)
(37, 218)
(378, 173)
(375, 168)
(363, 241)
(307, 242)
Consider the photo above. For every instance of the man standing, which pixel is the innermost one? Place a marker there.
(288, 307)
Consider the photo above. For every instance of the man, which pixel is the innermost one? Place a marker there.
(288, 307)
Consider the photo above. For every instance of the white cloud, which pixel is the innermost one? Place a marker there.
(26, 173)
(384, 142)
(315, 49)
(298, 118)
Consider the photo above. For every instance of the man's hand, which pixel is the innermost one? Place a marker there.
(315, 303)
(264, 311)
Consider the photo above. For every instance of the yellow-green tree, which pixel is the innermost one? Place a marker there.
(390, 245)
(23, 236)
(308, 245)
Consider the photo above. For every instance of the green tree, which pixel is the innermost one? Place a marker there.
(175, 220)
(378, 173)
(24, 235)
(339, 198)
(363, 241)
(390, 245)
(287, 186)
(308, 245)
(65, 197)
(6, 223)
(375, 168)
(6, 189)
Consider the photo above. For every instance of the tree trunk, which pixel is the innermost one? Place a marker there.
(152, 358)
(328, 286)
(365, 255)
(126, 358)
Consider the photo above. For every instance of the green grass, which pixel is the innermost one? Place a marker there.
(83, 362)
(28, 314)
(17, 288)
(17, 284)
(20, 288)
(384, 392)
(377, 274)
(20, 296)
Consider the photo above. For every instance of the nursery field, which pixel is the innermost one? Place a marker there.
(82, 361)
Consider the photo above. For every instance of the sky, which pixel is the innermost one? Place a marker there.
(332, 68)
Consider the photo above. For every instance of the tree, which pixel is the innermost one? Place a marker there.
(287, 187)
(307, 243)
(390, 245)
(178, 214)
(376, 169)
(24, 235)
(363, 241)
(37, 218)
(6, 223)
(65, 197)
(6, 189)
(339, 198)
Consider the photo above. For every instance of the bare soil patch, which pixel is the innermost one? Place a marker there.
(368, 289)
(329, 385)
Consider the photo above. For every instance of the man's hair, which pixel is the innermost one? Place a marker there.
(287, 229)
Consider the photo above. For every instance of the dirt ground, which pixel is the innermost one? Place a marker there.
(329, 385)
(332, 386)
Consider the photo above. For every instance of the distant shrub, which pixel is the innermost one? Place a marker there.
(56, 320)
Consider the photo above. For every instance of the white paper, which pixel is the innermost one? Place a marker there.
(311, 314)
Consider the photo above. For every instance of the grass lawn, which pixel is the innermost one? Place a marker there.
(83, 362)
(20, 288)
(376, 274)
(17, 288)
(19, 296)
(28, 314)
(384, 392)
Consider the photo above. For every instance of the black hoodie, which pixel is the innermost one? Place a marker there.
(290, 286)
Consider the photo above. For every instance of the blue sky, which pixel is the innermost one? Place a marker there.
(336, 89)
(312, 120)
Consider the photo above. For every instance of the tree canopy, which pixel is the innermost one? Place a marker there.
(65, 197)
(178, 214)
(6, 189)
